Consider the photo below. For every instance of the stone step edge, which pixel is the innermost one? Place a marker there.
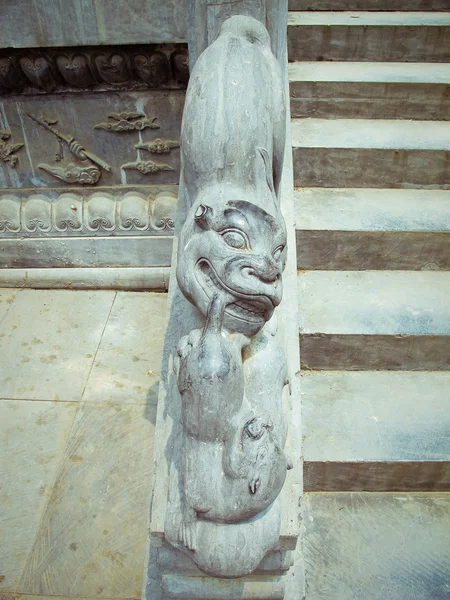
(373, 134)
(369, 18)
(376, 476)
(368, 72)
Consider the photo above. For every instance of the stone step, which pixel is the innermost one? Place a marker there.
(370, 90)
(406, 5)
(356, 352)
(366, 209)
(371, 153)
(377, 546)
(369, 36)
(369, 320)
(374, 302)
(376, 431)
(361, 228)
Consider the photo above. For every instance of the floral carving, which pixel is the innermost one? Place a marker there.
(158, 146)
(128, 121)
(147, 166)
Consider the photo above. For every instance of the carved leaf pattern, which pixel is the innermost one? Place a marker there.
(72, 214)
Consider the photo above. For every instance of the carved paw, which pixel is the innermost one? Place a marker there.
(187, 535)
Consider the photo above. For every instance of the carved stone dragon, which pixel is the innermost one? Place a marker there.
(231, 374)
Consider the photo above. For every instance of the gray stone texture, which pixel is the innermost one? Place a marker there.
(90, 22)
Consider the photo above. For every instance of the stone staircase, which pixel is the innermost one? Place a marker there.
(370, 107)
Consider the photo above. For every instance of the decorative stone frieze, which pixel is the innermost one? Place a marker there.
(54, 70)
(101, 213)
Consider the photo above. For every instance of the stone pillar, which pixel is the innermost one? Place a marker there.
(227, 479)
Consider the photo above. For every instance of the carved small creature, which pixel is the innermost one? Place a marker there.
(147, 167)
(7, 150)
(158, 146)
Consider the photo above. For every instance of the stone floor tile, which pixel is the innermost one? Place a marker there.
(49, 342)
(92, 536)
(32, 439)
(7, 296)
(128, 361)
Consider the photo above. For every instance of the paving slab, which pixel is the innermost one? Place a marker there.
(92, 534)
(6, 299)
(127, 364)
(32, 436)
(377, 546)
(48, 342)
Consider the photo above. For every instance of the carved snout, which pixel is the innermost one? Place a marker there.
(256, 275)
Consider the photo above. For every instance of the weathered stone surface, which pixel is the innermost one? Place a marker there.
(361, 352)
(80, 23)
(374, 303)
(376, 5)
(377, 546)
(27, 472)
(37, 343)
(89, 252)
(370, 90)
(128, 360)
(365, 36)
(91, 535)
(376, 416)
(115, 278)
(377, 476)
(365, 209)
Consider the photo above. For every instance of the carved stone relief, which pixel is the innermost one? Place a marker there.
(77, 69)
(230, 379)
(7, 150)
(90, 140)
(128, 121)
(147, 166)
(78, 214)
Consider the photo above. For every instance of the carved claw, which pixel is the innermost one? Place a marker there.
(254, 485)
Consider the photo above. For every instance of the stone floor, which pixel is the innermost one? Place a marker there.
(79, 375)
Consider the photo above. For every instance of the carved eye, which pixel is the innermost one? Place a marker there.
(278, 252)
(235, 239)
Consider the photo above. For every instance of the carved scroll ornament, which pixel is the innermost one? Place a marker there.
(231, 374)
